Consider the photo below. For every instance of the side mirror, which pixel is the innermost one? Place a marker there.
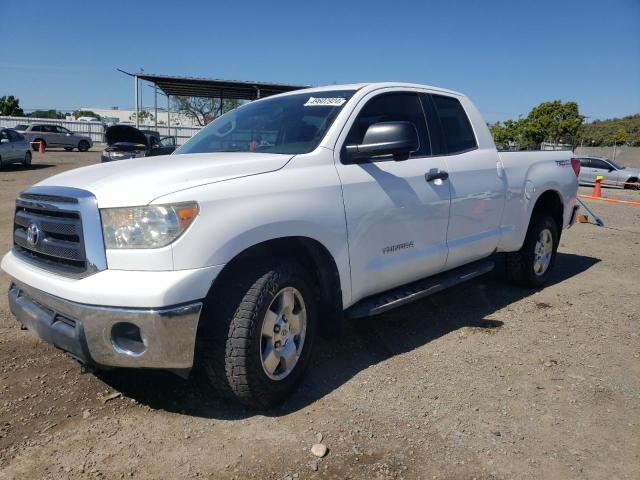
(386, 138)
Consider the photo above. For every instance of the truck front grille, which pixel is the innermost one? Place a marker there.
(49, 236)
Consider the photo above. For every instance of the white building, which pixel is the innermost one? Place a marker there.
(118, 115)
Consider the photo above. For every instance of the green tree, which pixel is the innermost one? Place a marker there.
(144, 114)
(203, 110)
(554, 121)
(10, 106)
(85, 113)
(620, 136)
(47, 114)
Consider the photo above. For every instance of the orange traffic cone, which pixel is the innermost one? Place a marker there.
(41, 149)
(597, 189)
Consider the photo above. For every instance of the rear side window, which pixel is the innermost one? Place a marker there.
(392, 107)
(456, 128)
(585, 162)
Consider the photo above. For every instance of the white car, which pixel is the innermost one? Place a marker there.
(278, 220)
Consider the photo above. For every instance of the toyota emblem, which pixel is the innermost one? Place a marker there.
(33, 234)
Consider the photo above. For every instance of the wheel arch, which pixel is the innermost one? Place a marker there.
(315, 257)
(550, 201)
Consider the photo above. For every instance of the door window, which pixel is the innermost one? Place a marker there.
(14, 136)
(49, 129)
(600, 164)
(456, 127)
(392, 107)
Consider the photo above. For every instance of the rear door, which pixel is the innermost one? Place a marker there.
(476, 176)
(396, 220)
(599, 167)
(51, 136)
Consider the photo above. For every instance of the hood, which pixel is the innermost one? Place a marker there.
(124, 134)
(141, 180)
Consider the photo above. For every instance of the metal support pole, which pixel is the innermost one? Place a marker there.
(155, 106)
(168, 114)
(135, 79)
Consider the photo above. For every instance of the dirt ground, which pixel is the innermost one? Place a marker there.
(484, 381)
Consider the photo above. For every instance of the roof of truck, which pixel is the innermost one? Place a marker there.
(371, 86)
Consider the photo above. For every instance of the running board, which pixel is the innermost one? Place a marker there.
(382, 302)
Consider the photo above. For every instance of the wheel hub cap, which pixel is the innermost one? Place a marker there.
(283, 332)
(543, 251)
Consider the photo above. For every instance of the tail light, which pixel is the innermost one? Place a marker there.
(575, 164)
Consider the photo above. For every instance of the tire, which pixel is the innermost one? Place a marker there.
(633, 187)
(525, 267)
(232, 343)
(68, 149)
(35, 147)
(83, 146)
(27, 159)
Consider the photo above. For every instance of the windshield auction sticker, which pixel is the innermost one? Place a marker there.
(325, 102)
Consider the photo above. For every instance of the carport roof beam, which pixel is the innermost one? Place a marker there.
(213, 88)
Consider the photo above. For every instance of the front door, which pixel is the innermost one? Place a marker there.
(396, 220)
(6, 147)
(66, 137)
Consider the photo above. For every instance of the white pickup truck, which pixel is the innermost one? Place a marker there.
(278, 220)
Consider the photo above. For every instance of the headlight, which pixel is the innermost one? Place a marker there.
(118, 155)
(151, 226)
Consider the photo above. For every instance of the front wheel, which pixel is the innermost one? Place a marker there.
(259, 334)
(83, 146)
(27, 159)
(531, 265)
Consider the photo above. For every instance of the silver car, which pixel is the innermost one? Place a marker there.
(54, 136)
(615, 176)
(13, 148)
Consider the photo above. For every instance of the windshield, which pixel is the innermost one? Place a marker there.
(21, 127)
(616, 165)
(290, 124)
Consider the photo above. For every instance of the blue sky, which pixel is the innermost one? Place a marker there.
(508, 56)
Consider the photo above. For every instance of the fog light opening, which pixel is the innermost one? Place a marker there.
(128, 339)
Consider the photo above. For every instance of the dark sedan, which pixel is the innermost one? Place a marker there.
(125, 141)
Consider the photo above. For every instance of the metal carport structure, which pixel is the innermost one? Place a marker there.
(206, 88)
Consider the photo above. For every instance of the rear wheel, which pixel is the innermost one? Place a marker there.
(83, 146)
(27, 159)
(531, 265)
(632, 184)
(259, 334)
(35, 145)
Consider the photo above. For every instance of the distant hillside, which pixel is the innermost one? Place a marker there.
(605, 132)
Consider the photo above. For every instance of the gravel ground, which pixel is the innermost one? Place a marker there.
(508, 383)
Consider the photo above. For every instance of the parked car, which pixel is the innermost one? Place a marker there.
(125, 141)
(13, 148)
(55, 136)
(280, 219)
(615, 175)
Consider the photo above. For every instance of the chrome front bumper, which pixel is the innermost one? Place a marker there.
(163, 337)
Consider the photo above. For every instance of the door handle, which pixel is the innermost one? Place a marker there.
(435, 174)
